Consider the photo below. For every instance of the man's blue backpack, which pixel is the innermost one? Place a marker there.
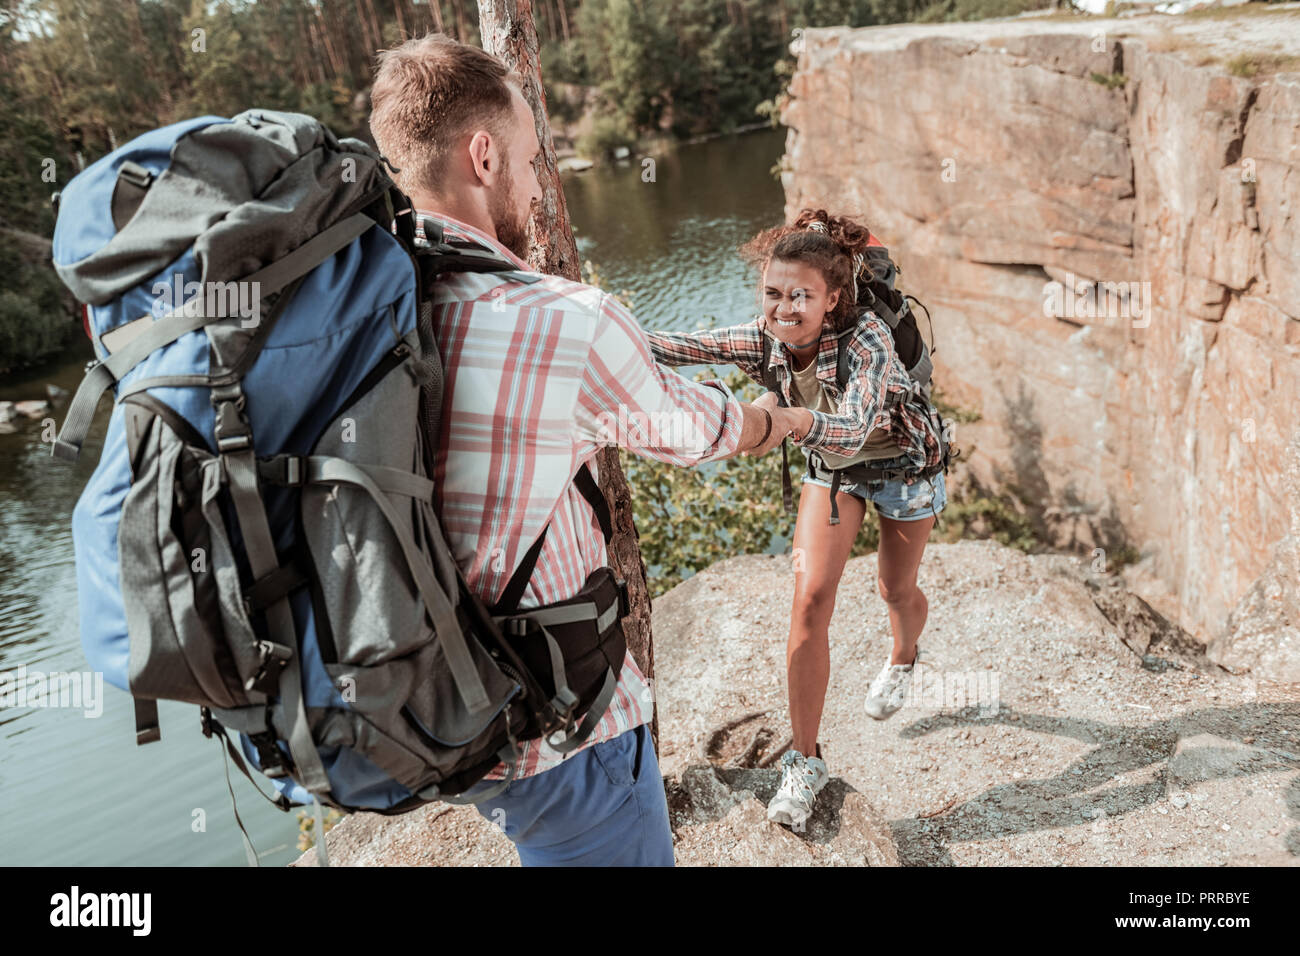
(259, 537)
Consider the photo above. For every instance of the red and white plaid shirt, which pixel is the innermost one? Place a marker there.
(538, 377)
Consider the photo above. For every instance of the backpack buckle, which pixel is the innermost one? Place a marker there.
(563, 703)
(287, 470)
(231, 428)
(274, 658)
(135, 174)
(269, 757)
(624, 598)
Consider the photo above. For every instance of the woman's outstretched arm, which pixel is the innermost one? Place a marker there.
(740, 345)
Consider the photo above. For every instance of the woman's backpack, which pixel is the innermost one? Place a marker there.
(875, 275)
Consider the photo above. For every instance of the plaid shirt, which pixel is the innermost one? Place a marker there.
(538, 377)
(876, 376)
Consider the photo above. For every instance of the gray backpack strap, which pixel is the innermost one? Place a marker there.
(235, 445)
(594, 713)
(509, 755)
(100, 376)
(324, 469)
(318, 826)
(923, 368)
(772, 384)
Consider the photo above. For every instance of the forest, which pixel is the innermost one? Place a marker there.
(80, 77)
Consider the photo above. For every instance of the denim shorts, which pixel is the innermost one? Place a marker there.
(897, 501)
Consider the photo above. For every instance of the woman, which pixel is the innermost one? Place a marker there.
(808, 293)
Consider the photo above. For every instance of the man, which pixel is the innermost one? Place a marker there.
(539, 376)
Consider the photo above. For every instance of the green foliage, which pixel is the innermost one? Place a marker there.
(948, 410)
(607, 133)
(307, 827)
(563, 62)
(690, 518)
(1250, 65)
(939, 11)
(980, 515)
(1111, 81)
(35, 319)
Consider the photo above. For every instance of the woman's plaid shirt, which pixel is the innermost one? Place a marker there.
(879, 393)
(539, 376)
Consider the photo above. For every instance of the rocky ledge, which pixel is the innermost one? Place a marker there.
(1059, 719)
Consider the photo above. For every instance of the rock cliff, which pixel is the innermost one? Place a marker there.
(1104, 221)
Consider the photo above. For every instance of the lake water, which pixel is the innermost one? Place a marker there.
(75, 789)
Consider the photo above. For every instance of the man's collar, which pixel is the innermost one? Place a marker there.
(462, 230)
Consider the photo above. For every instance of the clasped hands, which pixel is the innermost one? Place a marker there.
(785, 423)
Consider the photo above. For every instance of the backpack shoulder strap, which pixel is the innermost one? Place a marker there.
(769, 377)
(586, 483)
(842, 357)
(587, 486)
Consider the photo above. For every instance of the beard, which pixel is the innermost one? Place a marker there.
(512, 229)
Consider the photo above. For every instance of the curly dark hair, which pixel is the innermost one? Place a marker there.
(831, 253)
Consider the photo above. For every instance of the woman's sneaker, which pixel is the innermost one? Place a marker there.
(802, 778)
(889, 690)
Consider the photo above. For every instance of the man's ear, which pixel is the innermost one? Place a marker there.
(483, 157)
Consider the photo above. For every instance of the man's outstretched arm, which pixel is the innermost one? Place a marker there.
(629, 400)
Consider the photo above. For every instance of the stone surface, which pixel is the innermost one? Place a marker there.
(992, 163)
(1263, 632)
(1039, 736)
(719, 818)
(1057, 720)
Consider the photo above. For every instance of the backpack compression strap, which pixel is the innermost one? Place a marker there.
(772, 385)
(565, 700)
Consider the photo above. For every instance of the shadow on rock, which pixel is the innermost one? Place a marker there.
(1190, 748)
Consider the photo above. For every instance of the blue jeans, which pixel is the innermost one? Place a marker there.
(603, 806)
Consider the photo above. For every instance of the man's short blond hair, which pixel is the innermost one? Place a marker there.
(429, 93)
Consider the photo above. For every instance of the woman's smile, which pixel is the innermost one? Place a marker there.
(795, 302)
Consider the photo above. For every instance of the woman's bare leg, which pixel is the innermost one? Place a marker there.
(901, 545)
(819, 552)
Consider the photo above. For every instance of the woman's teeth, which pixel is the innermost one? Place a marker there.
(787, 323)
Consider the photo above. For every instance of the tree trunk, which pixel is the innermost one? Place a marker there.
(564, 18)
(509, 33)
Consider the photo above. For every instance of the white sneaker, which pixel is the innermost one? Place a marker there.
(802, 778)
(890, 689)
